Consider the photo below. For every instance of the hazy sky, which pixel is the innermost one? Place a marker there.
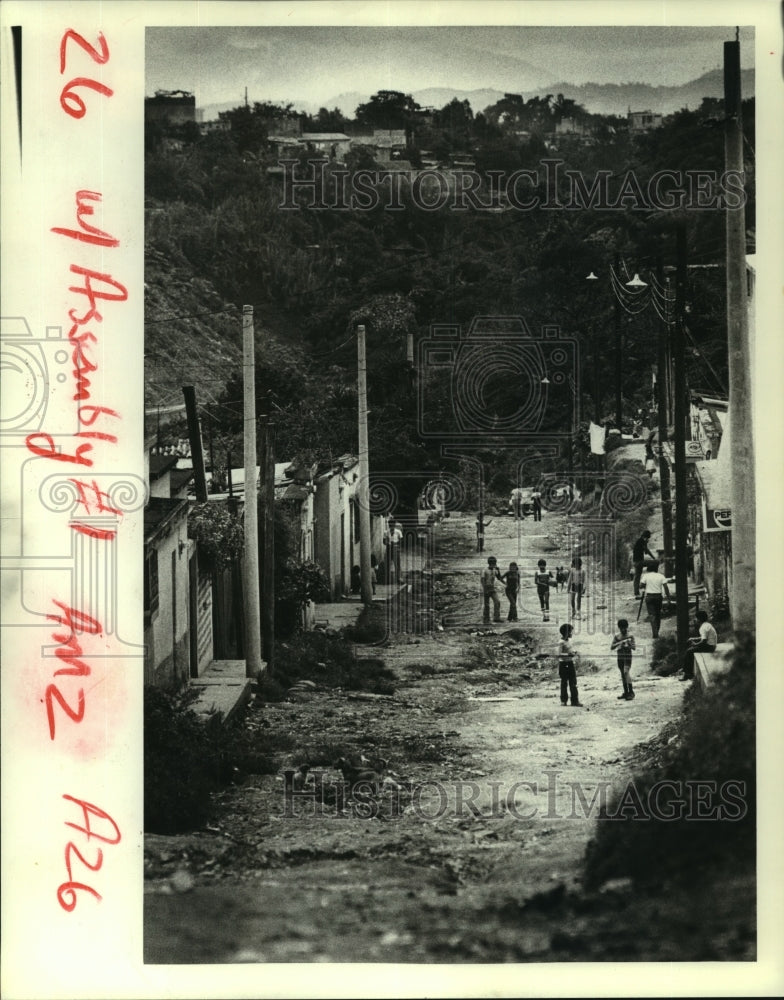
(315, 64)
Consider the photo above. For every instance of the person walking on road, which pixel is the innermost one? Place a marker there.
(638, 558)
(481, 524)
(536, 502)
(490, 574)
(543, 580)
(623, 644)
(393, 539)
(512, 580)
(705, 642)
(654, 584)
(575, 586)
(566, 666)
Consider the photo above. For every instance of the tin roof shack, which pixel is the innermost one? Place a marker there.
(335, 145)
(640, 122)
(336, 523)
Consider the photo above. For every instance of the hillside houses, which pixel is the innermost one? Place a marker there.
(191, 609)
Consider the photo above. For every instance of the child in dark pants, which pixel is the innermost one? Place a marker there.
(543, 580)
(623, 643)
(566, 671)
(512, 581)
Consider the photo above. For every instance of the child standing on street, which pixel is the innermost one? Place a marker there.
(512, 580)
(566, 668)
(624, 644)
(575, 585)
(489, 576)
(544, 580)
(481, 524)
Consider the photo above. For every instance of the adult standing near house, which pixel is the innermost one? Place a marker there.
(639, 550)
(705, 642)
(393, 539)
(654, 584)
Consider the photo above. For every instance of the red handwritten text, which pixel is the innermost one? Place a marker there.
(66, 893)
(96, 287)
(69, 650)
(94, 504)
(70, 101)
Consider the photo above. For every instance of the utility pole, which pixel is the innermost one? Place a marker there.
(618, 355)
(662, 398)
(194, 433)
(268, 544)
(679, 419)
(742, 592)
(253, 662)
(366, 586)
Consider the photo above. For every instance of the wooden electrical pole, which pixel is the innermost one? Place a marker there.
(742, 591)
(365, 583)
(194, 434)
(268, 546)
(662, 398)
(252, 603)
(679, 419)
(618, 355)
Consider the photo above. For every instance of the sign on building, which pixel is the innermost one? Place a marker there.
(716, 519)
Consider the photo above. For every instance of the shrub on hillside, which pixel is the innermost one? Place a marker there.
(711, 768)
(187, 757)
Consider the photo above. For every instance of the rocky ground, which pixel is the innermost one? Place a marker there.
(464, 839)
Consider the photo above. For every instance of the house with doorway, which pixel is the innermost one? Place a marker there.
(336, 522)
(178, 634)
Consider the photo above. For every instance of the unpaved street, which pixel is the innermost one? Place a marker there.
(472, 850)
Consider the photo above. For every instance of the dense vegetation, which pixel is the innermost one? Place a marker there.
(213, 210)
(662, 824)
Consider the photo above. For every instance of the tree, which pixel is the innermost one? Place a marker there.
(390, 109)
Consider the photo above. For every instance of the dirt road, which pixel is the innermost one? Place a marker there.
(472, 849)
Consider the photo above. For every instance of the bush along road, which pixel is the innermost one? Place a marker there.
(427, 798)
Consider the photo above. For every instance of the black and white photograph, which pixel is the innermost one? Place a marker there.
(392, 484)
(466, 673)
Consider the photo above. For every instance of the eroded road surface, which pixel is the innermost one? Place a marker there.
(472, 848)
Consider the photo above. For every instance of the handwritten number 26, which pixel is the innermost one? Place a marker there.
(70, 101)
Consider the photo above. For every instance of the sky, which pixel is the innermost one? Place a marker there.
(314, 64)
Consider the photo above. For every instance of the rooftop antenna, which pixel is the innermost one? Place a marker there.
(246, 97)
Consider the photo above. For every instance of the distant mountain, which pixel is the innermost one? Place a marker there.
(616, 99)
(598, 98)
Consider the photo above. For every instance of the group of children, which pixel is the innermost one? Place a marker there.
(622, 645)
(543, 580)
